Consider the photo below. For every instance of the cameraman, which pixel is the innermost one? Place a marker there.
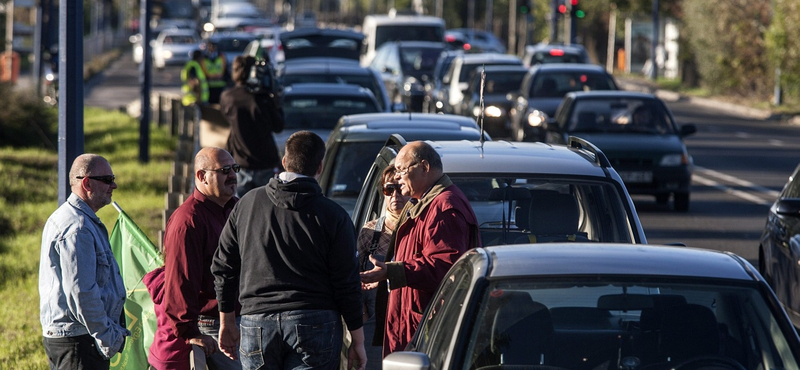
(253, 117)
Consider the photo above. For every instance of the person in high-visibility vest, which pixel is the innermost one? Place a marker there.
(195, 84)
(215, 67)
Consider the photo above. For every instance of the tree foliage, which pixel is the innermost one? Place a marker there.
(784, 47)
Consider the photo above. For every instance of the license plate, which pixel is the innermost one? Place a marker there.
(636, 176)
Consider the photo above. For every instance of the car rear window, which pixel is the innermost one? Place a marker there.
(558, 84)
(307, 111)
(620, 115)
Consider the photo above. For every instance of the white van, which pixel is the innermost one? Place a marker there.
(378, 29)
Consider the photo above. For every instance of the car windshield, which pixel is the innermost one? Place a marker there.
(620, 116)
(233, 45)
(515, 209)
(419, 61)
(408, 32)
(556, 56)
(468, 69)
(366, 81)
(498, 82)
(597, 322)
(558, 84)
(319, 111)
(351, 167)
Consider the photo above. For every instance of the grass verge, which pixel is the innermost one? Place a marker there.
(28, 194)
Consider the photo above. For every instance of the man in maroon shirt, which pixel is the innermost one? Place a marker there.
(436, 227)
(183, 289)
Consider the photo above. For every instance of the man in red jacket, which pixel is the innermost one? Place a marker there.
(183, 290)
(436, 227)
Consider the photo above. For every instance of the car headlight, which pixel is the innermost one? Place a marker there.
(412, 84)
(536, 117)
(167, 54)
(491, 111)
(672, 160)
(50, 77)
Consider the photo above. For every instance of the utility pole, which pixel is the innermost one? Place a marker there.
(654, 44)
(489, 15)
(512, 25)
(9, 38)
(70, 91)
(145, 79)
(554, 21)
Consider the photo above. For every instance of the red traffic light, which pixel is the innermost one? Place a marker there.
(562, 8)
(574, 2)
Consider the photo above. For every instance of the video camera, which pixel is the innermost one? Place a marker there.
(262, 79)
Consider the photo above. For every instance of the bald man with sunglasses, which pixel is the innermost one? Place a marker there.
(183, 289)
(81, 293)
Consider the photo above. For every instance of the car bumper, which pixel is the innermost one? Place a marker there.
(654, 181)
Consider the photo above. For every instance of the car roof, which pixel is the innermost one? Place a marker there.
(504, 68)
(418, 44)
(503, 157)
(324, 66)
(569, 67)
(638, 260)
(400, 119)
(380, 132)
(488, 57)
(326, 89)
(616, 94)
(383, 19)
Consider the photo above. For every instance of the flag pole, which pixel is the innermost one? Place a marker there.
(117, 207)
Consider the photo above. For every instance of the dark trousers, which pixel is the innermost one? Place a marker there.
(74, 353)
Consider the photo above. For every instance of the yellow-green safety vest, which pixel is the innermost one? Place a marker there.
(216, 71)
(189, 96)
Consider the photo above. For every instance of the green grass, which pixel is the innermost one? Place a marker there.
(28, 195)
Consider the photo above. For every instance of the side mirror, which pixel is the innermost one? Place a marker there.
(687, 129)
(789, 207)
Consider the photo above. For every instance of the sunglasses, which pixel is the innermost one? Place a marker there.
(390, 189)
(108, 179)
(227, 169)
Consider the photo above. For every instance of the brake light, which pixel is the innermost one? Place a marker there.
(584, 78)
(467, 47)
(557, 52)
(449, 38)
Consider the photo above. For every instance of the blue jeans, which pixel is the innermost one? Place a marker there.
(218, 361)
(291, 340)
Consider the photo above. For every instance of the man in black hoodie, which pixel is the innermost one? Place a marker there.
(290, 254)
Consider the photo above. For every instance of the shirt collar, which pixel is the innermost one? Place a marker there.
(290, 176)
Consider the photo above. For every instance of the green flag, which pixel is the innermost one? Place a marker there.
(136, 256)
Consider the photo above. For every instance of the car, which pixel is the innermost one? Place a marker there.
(584, 306)
(554, 53)
(432, 87)
(493, 92)
(404, 67)
(317, 55)
(542, 90)
(380, 28)
(526, 192)
(174, 46)
(475, 40)
(638, 134)
(231, 44)
(317, 107)
(456, 80)
(357, 139)
(779, 247)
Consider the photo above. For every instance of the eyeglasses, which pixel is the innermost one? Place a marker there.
(227, 169)
(108, 179)
(390, 189)
(405, 171)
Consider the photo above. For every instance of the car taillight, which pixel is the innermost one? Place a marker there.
(467, 46)
(557, 52)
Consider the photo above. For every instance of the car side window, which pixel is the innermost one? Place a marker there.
(441, 322)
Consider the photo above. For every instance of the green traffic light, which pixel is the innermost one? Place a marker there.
(580, 14)
(523, 9)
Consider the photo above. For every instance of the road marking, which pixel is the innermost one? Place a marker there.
(774, 142)
(768, 194)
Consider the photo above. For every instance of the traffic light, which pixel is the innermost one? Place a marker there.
(562, 8)
(523, 6)
(576, 11)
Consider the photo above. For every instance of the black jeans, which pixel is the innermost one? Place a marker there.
(74, 353)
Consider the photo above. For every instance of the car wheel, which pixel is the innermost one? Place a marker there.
(681, 202)
(662, 198)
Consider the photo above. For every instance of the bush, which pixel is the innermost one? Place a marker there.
(25, 120)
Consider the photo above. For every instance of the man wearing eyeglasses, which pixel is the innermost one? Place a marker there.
(289, 254)
(183, 289)
(81, 292)
(435, 228)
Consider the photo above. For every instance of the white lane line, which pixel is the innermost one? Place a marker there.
(774, 142)
(725, 189)
(735, 180)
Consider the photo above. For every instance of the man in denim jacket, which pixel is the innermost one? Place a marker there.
(81, 293)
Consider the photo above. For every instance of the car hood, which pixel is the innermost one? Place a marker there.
(616, 145)
(546, 105)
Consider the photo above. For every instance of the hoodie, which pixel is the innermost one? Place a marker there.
(287, 247)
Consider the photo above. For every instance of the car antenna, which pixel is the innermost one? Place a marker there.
(483, 82)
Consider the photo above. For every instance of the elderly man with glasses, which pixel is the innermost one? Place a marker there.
(183, 289)
(435, 228)
(81, 293)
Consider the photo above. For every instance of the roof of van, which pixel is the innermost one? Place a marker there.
(402, 18)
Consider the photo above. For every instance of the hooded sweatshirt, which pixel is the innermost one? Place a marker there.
(287, 247)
